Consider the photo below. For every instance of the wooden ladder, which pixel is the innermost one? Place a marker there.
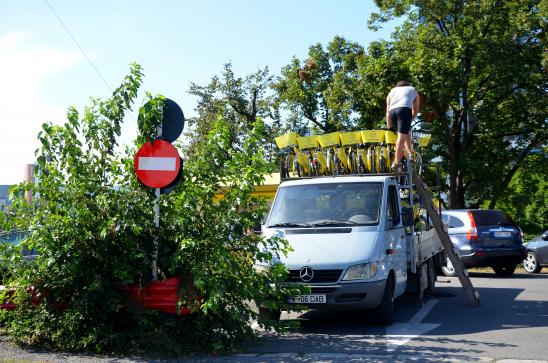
(462, 273)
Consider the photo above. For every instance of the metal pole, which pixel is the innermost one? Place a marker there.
(439, 187)
(155, 239)
(156, 225)
(29, 179)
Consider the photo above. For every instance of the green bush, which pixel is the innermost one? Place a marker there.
(92, 225)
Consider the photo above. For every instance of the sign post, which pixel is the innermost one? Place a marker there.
(154, 262)
(158, 165)
(155, 240)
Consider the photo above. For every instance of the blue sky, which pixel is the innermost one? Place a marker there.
(42, 71)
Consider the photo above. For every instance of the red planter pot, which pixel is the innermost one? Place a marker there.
(166, 296)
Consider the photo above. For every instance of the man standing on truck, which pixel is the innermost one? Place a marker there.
(402, 106)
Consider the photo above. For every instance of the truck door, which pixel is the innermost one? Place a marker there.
(395, 233)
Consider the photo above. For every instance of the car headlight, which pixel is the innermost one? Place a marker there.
(361, 272)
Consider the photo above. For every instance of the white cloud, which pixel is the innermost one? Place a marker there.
(23, 69)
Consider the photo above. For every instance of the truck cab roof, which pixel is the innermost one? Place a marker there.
(338, 179)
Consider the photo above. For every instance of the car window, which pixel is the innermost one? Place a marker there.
(491, 218)
(455, 222)
(444, 218)
(13, 237)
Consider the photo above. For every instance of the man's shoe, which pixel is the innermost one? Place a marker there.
(396, 168)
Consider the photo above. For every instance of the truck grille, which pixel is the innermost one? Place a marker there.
(320, 276)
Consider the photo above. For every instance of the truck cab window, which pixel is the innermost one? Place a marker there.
(392, 210)
(330, 205)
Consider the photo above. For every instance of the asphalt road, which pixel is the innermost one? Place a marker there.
(510, 323)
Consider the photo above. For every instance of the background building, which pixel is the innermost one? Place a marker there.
(4, 202)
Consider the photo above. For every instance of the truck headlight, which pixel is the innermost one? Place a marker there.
(361, 272)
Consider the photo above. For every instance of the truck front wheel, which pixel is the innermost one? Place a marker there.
(384, 313)
(267, 314)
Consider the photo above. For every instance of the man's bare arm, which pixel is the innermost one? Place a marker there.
(388, 120)
(416, 106)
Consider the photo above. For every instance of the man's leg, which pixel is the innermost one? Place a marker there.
(408, 144)
(400, 145)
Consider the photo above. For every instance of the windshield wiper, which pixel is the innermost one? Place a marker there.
(290, 224)
(334, 223)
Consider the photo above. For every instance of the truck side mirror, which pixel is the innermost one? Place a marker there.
(407, 216)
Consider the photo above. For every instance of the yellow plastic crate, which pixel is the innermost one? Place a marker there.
(289, 139)
(328, 140)
(372, 136)
(423, 141)
(390, 137)
(351, 138)
(307, 142)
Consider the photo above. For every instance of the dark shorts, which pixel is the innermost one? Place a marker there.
(402, 117)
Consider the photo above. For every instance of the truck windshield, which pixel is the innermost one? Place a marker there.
(333, 205)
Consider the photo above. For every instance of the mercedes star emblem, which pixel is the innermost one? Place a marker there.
(306, 274)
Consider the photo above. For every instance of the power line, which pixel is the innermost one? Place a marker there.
(78, 45)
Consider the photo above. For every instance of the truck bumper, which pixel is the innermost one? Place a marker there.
(349, 296)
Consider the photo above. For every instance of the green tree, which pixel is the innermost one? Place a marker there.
(92, 226)
(482, 67)
(239, 101)
(527, 200)
(321, 93)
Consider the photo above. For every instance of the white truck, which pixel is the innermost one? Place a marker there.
(353, 242)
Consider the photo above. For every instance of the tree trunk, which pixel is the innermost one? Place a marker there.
(456, 187)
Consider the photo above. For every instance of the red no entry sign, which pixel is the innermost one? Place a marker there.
(157, 164)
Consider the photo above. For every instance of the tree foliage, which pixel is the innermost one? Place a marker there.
(240, 101)
(482, 67)
(92, 226)
(322, 93)
(527, 199)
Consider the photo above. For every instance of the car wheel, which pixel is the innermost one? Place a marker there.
(530, 264)
(448, 270)
(384, 313)
(504, 270)
(267, 314)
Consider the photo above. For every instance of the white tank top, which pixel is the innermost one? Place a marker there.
(402, 97)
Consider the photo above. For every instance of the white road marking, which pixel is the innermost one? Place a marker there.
(157, 163)
(400, 333)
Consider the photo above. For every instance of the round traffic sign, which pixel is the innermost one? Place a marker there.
(173, 121)
(157, 164)
(169, 188)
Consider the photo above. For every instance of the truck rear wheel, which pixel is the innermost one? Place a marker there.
(384, 313)
(267, 314)
(449, 270)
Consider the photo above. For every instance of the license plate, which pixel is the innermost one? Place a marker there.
(500, 234)
(309, 299)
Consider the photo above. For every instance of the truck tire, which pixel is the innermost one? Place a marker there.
(504, 270)
(384, 313)
(267, 314)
